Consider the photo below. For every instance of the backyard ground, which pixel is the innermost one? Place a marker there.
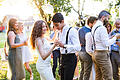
(4, 63)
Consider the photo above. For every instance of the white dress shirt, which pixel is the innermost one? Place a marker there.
(89, 43)
(73, 40)
(102, 40)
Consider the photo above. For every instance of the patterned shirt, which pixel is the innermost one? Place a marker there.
(114, 47)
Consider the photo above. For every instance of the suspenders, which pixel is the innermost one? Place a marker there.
(67, 38)
(93, 37)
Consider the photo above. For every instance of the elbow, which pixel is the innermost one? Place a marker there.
(44, 58)
(106, 45)
(87, 51)
(12, 46)
(90, 52)
(79, 48)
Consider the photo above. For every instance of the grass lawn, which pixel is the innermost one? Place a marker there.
(4, 64)
(2, 39)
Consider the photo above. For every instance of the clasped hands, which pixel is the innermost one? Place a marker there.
(26, 42)
(118, 35)
(58, 43)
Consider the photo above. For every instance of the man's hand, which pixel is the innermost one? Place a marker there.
(60, 44)
(26, 43)
(118, 35)
(118, 43)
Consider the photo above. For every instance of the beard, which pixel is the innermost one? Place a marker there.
(105, 22)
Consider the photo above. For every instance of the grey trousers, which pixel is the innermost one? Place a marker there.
(86, 65)
(103, 67)
(115, 60)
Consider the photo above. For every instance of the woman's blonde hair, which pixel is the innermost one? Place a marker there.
(11, 25)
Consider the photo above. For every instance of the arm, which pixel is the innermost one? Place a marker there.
(112, 34)
(5, 50)
(73, 34)
(118, 43)
(54, 37)
(89, 42)
(105, 38)
(11, 37)
(41, 51)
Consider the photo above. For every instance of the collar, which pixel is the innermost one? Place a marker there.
(65, 28)
(88, 26)
(99, 22)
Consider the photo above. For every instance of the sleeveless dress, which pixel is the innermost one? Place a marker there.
(44, 66)
(26, 54)
(15, 61)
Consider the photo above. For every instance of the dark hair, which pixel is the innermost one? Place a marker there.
(58, 17)
(91, 19)
(78, 24)
(82, 22)
(103, 13)
(108, 24)
(36, 32)
(11, 25)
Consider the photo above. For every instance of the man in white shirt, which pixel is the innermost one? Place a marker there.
(101, 42)
(84, 57)
(68, 48)
(89, 50)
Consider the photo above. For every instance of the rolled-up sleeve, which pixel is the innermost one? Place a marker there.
(89, 42)
(105, 38)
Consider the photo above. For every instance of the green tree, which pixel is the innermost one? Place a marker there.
(61, 6)
(58, 6)
(116, 6)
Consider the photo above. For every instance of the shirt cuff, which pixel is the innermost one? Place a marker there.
(65, 46)
(68, 46)
(114, 38)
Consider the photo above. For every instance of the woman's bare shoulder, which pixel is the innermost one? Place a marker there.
(11, 33)
(38, 40)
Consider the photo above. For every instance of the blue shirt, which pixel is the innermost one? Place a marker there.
(115, 47)
(82, 33)
(51, 36)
